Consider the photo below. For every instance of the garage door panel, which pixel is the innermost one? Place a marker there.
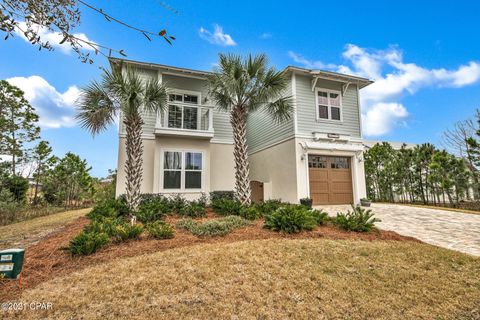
(340, 175)
(319, 186)
(330, 180)
(319, 175)
(320, 198)
(341, 187)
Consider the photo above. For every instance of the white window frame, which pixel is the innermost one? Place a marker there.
(182, 106)
(328, 91)
(182, 171)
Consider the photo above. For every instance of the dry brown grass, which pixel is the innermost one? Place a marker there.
(27, 232)
(272, 279)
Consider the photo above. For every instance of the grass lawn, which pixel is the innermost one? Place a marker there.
(24, 233)
(272, 279)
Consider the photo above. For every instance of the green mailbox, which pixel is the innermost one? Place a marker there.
(11, 263)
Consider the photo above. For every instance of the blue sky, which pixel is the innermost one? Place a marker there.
(425, 59)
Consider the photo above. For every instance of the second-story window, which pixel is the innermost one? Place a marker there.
(329, 104)
(181, 116)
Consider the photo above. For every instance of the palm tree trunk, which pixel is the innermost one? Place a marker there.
(238, 120)
(133, 165)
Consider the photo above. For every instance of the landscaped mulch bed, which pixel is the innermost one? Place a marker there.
(48, 258)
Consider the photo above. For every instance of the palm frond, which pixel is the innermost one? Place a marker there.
(155, 97)
(281, 109)
(96, 109)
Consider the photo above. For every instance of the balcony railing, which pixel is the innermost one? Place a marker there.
(186, 119)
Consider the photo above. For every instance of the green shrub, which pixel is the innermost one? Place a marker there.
(160, 230)
(320, 217)
(250, 213)
(291, 219)
(152, 210)
(103, 225)
(226, 207)
(18, 187)
(177, 202)
(358, 219)
(218, 227)
(87, 243)
(269, 206)
(217, 195)
(126, 231)
(202, 201)
(110, 208)
(193, 210)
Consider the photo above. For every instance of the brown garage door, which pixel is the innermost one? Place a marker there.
(330, 179)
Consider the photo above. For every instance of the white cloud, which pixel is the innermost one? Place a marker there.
(382, 117)
(218, 37)
(54, 38)
(309, 64)
(393, 78)
(55, 109)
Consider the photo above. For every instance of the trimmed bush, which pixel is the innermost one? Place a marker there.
(320, 217)
(250, 213)
(160, 230)
(218, 227)
(269, 206)
(87, 243)
(226, 207)
(152, 210)
(193, 210)
(359, 220)
(110, 208)
(177, 202)
(291, 219)
(103, 225)
(126, 231)
(217, 195)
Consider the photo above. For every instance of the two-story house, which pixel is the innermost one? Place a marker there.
(188, 148)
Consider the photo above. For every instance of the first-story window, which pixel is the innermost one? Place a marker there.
(182, 170)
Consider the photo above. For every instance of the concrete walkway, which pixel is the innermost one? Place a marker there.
(447, 229)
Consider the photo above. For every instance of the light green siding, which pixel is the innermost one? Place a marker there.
(221, 122)
(306, 109)
(262, 131)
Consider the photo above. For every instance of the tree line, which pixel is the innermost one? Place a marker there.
(424, 173)
(28, 165)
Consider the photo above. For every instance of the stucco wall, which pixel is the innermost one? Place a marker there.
(276, 168)
(222, 165)
(148, 163)
(218, 165)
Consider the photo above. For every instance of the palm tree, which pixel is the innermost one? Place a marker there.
(122, 93)
(241, 86)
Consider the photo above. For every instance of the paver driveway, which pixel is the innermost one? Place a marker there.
(448, 229)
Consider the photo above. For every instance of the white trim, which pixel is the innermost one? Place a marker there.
(220, 141)
(359, 112)
(184, 75)
(182, 171)
(189, 92)
(144, 136)
(328, 91)
(162, 131)
(294, 97)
